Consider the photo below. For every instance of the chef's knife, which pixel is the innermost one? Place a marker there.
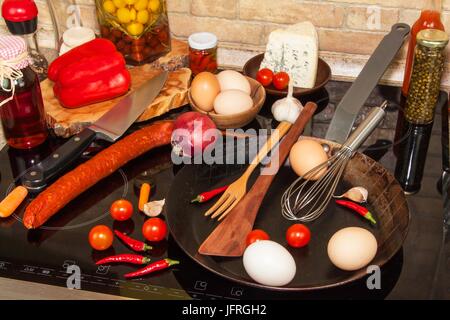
(110, 127)
(342, 123)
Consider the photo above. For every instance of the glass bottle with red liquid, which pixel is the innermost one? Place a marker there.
(21, 106)
(430, 18)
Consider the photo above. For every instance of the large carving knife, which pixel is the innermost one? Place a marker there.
(110, 127)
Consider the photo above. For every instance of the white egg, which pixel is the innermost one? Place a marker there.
(269, 263)
(232, 102)
(233, 80)
(352, 248)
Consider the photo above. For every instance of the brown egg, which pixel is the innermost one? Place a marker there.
(305, 155)
(204, 89)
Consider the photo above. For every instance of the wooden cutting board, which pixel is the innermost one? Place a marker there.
(67, 122)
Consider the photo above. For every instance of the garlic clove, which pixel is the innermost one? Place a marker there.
(357, 194)
(154, 208)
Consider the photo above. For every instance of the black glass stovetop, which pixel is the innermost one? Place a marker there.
(43, 255)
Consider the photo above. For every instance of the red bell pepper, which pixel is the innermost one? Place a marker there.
(106, 87)
(96, 46)
(91, 68)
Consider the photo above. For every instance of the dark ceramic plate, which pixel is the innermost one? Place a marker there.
(189, 227)
(251, 68)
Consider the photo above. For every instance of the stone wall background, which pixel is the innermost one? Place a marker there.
(349, 30)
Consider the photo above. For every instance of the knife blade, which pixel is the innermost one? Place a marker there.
(346, 112)
(110, 127)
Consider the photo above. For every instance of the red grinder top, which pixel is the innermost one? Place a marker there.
(19, 10)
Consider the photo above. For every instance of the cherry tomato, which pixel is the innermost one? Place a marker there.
(101, 237)
(256, 235)
(121, 210)
(298, 235)
(281, 80)
(264, 76)
(154, 229)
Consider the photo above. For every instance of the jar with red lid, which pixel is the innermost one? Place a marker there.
(202, 52)
(138, 28)
(21, 106)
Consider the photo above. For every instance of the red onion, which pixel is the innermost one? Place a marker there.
(193, 133)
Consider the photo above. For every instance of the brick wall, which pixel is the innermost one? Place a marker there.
(349, 30)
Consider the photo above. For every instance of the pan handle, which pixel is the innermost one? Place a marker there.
(363, 131)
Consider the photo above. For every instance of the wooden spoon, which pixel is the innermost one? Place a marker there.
(228, 238)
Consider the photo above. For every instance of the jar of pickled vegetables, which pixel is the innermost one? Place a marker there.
(202, 52)
(428, 66)
(138, 28)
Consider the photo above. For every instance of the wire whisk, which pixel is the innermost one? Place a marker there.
(308, 196)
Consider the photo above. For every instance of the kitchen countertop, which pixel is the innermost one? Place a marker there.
(24, 290)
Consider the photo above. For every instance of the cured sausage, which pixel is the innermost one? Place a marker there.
(75, 182)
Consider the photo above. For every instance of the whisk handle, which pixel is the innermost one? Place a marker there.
(363, 131)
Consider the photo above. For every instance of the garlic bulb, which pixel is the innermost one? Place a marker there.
(357, 194)
(287, 109)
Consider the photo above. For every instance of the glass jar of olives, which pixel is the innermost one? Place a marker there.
(429, 59)
(138, 28)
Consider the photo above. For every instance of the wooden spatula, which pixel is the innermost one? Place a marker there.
(228, 238)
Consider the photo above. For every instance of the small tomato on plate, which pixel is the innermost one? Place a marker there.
(298, 235)
(256, 235)
(281, 80)
(264, 76)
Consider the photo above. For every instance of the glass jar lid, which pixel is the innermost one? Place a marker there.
(432, 38)
(76, 36)
(202, 40)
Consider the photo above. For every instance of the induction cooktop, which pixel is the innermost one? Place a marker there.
(48, 255)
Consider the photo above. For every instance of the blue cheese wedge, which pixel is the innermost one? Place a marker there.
(294, 50)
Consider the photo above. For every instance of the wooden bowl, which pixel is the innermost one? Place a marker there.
(251, 68)
(241, 119)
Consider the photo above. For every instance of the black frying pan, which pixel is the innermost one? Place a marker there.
(387, 202)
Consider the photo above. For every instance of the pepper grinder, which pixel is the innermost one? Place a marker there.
(21, 20)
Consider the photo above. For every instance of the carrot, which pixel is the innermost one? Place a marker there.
(144, 195)
(12, 201)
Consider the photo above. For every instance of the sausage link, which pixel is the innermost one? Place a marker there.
(80, 179)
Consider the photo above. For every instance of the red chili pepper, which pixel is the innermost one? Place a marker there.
(208, 195)
(124, 258)
(155, 266)
(136, 245)
(357, 208)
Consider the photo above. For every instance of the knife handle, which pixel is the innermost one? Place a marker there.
(36, 178)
